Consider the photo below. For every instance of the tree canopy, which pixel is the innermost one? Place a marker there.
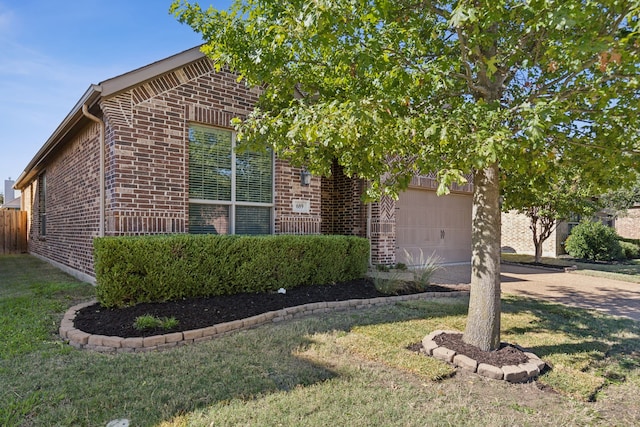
(622, 198)
(394, 88)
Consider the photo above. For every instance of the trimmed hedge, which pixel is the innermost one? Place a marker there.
(131, 270)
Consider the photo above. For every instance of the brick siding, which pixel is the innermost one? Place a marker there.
(288, 188)
(72, 181)
(517, 237)
(628, 225)
(342, 209)
(146, 169)
(146, 173)
(343, 212)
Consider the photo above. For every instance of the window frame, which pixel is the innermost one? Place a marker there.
(232, 204)
(42, 205)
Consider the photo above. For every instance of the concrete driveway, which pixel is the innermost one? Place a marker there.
(609, 296)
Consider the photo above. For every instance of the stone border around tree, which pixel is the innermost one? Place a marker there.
(109, 344)
(511, 373)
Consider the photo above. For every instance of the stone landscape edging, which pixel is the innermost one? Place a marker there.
(511, 373)
(110, 344)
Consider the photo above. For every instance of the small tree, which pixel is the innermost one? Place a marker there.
(549, 199)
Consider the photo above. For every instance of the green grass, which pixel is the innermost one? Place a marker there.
(343, 368)
(33, 296)
(628, 271)
(148, 321)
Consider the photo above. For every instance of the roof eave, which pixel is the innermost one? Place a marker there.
(125, 81)
(70, 121)
(105, 89)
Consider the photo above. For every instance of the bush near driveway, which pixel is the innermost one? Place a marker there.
(594, 241)
(630, 250)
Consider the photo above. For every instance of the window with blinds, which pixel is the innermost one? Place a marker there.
(229, 192)
(42, 203)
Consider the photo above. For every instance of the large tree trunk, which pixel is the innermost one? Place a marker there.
(483, 321)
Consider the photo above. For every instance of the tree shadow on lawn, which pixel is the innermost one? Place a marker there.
(591, 340)
(242, 365)
(254, 363)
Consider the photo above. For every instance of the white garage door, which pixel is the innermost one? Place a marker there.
(431, 223)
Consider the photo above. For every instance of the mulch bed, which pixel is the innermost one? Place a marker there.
(199, 313)
(196, 313)
(504, 356)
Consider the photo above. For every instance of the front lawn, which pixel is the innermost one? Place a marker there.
(346, 368)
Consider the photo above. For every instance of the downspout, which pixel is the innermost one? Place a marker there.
(368, 231)
(369, 234)
(100, 123)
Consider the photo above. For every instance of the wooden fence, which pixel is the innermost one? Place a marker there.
(13, 232)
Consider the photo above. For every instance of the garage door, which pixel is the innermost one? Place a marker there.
(431, 223)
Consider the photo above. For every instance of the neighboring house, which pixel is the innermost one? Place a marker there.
(12, 205)
(628, 224)
(517, 237)
(10, 201)
(150, 152)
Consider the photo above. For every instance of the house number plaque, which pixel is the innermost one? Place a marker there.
(301, 206)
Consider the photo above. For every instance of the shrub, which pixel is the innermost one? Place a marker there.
(634, 241)
(130, 270)
(630, 250)
(389, 285)
(593, 241)
(423, 267)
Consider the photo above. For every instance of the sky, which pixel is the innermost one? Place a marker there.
(52, 51)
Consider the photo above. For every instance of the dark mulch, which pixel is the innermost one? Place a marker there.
(505, 355)
(202, 312)
(537, 264)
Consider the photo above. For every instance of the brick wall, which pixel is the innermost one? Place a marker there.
(628, 225)
(343, 212)
(26, 204)
(383, 231)
(146, 167)
(146, 173)
(342, 209)
(72, 188)
(518, 238)
(289, 190)
(147, 147)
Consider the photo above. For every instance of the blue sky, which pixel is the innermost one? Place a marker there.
(52, 51)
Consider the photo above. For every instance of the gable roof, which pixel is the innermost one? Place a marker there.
(75, 118)
(13, 204)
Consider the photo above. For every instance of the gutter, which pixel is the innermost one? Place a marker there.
(87, 114)
(107, 88)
